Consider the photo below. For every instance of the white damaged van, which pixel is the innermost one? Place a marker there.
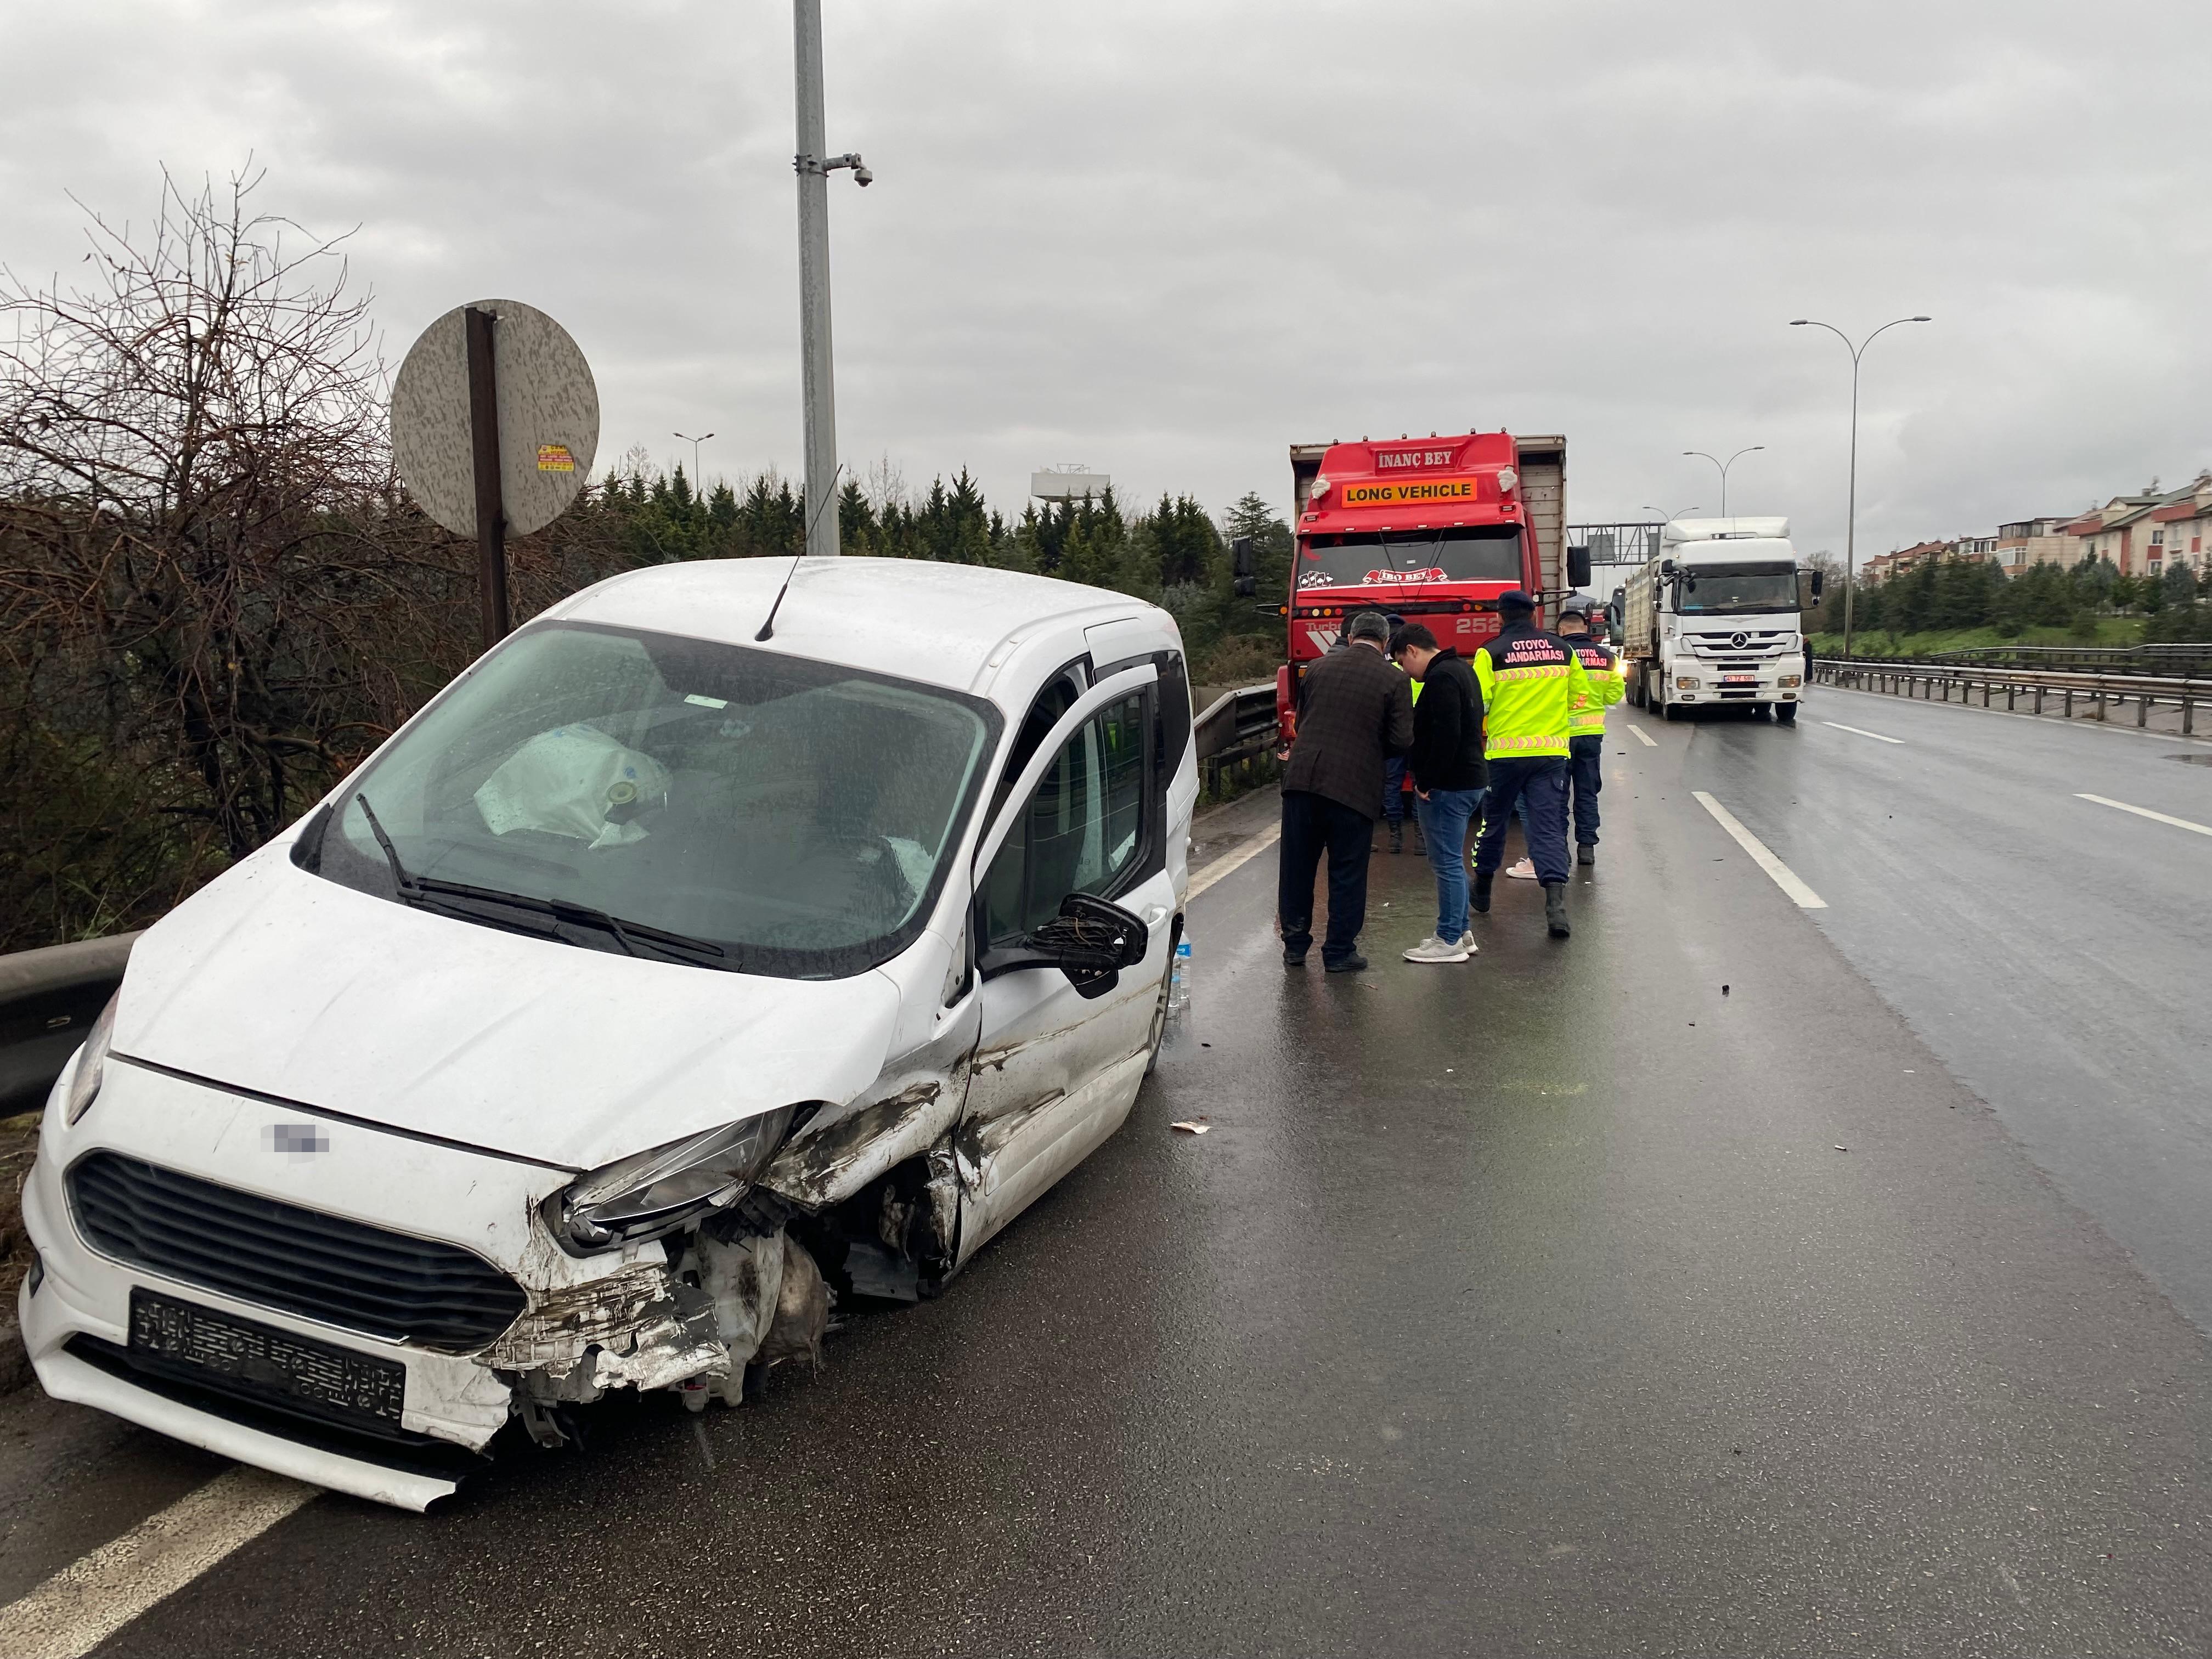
(668, 974)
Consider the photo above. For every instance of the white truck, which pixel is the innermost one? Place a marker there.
(1715, 619)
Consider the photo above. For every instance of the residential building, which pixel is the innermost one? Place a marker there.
(2180, 531)
(2122, 530)
(2028, 542)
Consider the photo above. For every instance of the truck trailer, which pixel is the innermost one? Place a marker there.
(1429, 530)
(1714, 619)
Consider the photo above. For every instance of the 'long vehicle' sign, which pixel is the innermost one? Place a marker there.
(1410, 492)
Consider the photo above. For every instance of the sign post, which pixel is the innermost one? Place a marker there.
(483, 449)
(495, 424)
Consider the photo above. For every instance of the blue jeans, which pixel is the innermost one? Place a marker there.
(1444, 818)
(1541, 781)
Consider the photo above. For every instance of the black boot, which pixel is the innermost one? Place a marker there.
(1479, 897)
(1555, 908)
(1586, 853)
(1397, 834)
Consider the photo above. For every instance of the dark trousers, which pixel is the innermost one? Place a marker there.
(1394, 789)
(1539, 781)
(1582, 755)
(1313, 824)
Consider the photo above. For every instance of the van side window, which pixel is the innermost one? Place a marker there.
(1085, 829)
(1175, 713)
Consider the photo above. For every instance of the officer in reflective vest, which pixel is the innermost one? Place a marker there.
(1586, 724)
(1530, 679)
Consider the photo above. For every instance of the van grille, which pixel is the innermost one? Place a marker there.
(300, 1260)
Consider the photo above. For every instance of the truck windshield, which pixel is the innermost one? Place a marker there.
(794, 814)
(1737, 590)
(1476, 553)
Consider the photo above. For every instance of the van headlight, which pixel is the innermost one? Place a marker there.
(91, 1064)
(653, 1192)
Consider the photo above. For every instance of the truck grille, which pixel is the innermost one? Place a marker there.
(300, 1260)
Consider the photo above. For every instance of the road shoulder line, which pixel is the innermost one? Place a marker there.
(1784, 876)
(88, 1601)
(1229, 862)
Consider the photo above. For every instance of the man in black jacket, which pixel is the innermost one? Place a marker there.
(1354, 709)
(1449, 777)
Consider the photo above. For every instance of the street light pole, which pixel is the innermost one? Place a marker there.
(1731, 461)
(697, 490)
(1852, 509)
(814, 169)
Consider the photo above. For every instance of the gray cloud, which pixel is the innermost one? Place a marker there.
(1170, 240)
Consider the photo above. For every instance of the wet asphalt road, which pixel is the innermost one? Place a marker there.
(1528, 1306)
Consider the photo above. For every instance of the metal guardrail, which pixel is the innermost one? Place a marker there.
(2164, 659)
(1934, 681)
(1238, 725)
(48, 1001)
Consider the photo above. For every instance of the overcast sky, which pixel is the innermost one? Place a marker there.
(1168, 239)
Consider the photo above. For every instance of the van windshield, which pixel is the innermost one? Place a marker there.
(1474, 553)
(1737, 590)
(795, 815)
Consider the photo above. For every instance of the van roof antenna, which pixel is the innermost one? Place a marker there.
(829, 499)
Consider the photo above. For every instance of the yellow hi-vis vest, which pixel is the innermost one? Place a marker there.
(1586, 718)
(1529, 682)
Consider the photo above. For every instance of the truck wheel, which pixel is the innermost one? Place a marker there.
(1786, 713)
(1763, 711)
(1639, 690)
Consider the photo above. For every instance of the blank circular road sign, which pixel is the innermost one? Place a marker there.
(549, 419)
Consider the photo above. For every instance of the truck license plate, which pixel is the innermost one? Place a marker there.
(1739, 679)
(244, 1355)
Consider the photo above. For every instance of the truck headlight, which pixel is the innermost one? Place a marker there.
(91, 1064)
(1688, 681)
(1792, 680)
(653, 1192)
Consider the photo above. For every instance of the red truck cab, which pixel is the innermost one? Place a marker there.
(1429, 530)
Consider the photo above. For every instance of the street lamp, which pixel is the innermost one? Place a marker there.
(697, 488)
(814, 169)
(1851, 511)
(1670, 517)
(1724, 466)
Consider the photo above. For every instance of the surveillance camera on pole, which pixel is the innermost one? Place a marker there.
(814, 170)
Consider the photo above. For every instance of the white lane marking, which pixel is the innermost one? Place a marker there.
(1229, 862)
(1861, 731)
(1644, 737)
(2145, 812)
(87, 1602)
(1784, 877)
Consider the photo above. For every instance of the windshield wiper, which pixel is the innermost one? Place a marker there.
(432, 891)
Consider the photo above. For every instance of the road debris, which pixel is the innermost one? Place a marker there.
(1192, 1126)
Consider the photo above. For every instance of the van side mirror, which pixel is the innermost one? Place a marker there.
(1578, 566)
(1242, 566)
(1091, 940)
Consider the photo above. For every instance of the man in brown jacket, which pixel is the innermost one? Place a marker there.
(1354, 710)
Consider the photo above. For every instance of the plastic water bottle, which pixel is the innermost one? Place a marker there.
(1179, 981)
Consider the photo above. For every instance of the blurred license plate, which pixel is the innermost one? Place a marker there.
(1739, 679)
(247, 1356)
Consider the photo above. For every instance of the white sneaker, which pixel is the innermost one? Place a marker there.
(1524, 871)
(1466, 943)
(1433, 949)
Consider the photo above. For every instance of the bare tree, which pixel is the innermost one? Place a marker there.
(207, 571)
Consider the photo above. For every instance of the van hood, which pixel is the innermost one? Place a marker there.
(278, 982)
